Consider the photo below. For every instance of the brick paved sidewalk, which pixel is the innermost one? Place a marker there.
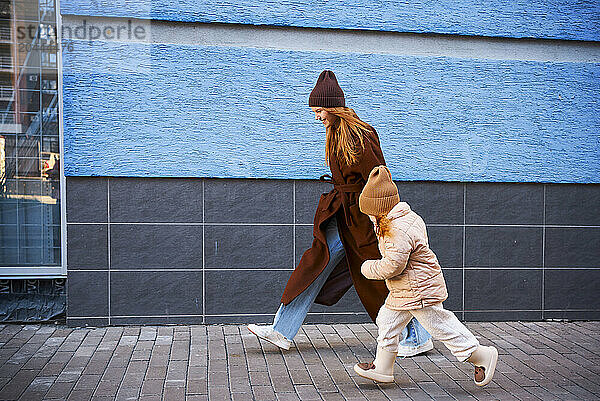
(547, 361)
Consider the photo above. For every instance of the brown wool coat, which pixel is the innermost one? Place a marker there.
(356, 232)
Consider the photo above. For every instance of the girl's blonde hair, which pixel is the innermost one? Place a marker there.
(383, 226)
(345, 139)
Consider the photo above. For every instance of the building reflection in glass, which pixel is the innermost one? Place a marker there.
(29, 135)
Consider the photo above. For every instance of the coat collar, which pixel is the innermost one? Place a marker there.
(401, 209)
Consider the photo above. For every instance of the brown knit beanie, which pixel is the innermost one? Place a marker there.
(327, 92)
(380, 194)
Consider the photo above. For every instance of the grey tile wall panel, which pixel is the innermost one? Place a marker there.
(155, 246)
(503, 289)
(173, 200)
(503, 247)
(87, 246)
(87, 200)
(249, 247)
(308, 193)
(573, 204)
(447, 244)
(500, 203)
(502, 316)
(572, 247)
(244, 291)
(435, 202)
(572, 289)
(454, 285)
(248, 201)
(491, 293)
(87, 294)
(156, 293)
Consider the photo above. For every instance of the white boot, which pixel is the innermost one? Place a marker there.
(485, 359)
(268, 334)
(382, 368)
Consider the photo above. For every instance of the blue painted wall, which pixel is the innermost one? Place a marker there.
(562, 19)
(163, 110)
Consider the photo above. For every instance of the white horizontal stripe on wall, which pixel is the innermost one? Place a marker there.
(328, 40)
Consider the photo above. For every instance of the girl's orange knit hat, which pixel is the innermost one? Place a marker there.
(380, 194)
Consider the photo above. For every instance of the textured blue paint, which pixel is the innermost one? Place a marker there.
(180, 110)
(562, 19)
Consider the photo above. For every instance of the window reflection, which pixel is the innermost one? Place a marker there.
(29, 136)
(25, 10)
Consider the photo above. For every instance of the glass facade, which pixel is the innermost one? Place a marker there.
(30, 202)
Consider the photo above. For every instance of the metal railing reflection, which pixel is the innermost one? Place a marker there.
(30, 212)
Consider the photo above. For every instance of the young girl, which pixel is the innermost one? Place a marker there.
(417, 288)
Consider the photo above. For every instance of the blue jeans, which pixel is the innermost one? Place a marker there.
(290, 317)
(414, 335)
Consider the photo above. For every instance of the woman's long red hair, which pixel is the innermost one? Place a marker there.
(345, 138)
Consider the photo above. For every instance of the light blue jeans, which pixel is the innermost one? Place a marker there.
(414, 335)
(290, 317)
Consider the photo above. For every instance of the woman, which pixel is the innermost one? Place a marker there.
(343, 236)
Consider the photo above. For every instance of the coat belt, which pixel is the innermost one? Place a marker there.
(342, 189)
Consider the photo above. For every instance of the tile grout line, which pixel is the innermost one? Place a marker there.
(310, 225)
(213, 269)
(207, 347)
(543, 249)
(294, 224)
(464, 228)
(108, 243)
(316, 314)
(228, 362)
(121, 334)
(247, 365)
(322, 358)
(203, 260)
(189, 352)
(164, 386)
(287, 368)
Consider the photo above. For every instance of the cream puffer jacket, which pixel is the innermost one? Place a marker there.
(410, 269)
